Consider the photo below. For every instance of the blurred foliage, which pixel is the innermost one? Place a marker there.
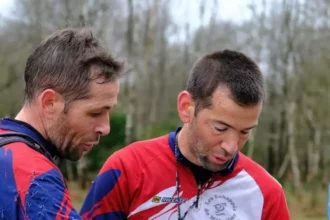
(116, 139)
(162, 127)
(110, 143)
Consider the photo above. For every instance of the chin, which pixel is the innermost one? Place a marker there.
(213, 167)
(74, 157)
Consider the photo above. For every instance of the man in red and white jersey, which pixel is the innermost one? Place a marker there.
(196, 172)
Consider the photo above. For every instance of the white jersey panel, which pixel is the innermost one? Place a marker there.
(239, 198)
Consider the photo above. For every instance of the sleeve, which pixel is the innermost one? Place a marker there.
(48, 198)
(279, 209)
(110, 195)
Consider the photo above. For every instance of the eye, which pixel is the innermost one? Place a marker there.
(220, 129)
(246, 132)
(95, 114)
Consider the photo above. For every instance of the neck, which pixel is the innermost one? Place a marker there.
(184, 147)
(29, 116)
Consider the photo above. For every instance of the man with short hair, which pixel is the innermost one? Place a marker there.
(71, 87)
(196, 172)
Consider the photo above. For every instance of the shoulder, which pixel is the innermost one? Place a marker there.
(32, 174)
(26, 159)
(152, 146)
(266, 182)
(140, 153)
(25, 165)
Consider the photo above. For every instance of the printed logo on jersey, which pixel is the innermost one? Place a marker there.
(158, 199)
(220, 207)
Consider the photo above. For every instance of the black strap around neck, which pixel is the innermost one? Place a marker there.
(12, 137)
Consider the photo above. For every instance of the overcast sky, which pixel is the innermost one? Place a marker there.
(227, 9)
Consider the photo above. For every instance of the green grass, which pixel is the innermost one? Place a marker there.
(309, 204)
(308, 218)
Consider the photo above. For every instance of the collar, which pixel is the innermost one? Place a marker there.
(12, 124)
(199, 171)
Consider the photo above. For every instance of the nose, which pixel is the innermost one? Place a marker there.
(104, 127)
(230, 144)
(103, 130)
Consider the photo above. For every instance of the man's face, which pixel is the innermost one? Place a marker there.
(217, 133)
(80, 128)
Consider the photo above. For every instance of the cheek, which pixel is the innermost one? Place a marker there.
(79, 117)
(201, 134)
(82, 131)
(81, 125)
(75, 134)
(60, 126)
(208, 140)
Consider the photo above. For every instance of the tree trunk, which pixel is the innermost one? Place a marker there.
(130, 87)
(292, 147)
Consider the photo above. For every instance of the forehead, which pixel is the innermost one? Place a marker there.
(101, 94)
(224, 108)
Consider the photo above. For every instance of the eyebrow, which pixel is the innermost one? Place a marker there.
(107, 107)
(228, 125)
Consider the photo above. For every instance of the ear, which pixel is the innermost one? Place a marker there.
(51, 102)
(186, 107)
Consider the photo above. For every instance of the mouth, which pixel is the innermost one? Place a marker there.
(88, 147)
(218, 160)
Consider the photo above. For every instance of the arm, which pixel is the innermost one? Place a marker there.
(109, 195)
(279, 209)
(48, 198)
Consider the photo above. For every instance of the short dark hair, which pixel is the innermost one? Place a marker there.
(64, 61)
(232, 69)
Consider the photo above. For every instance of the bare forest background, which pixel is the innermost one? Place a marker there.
(289, 39)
